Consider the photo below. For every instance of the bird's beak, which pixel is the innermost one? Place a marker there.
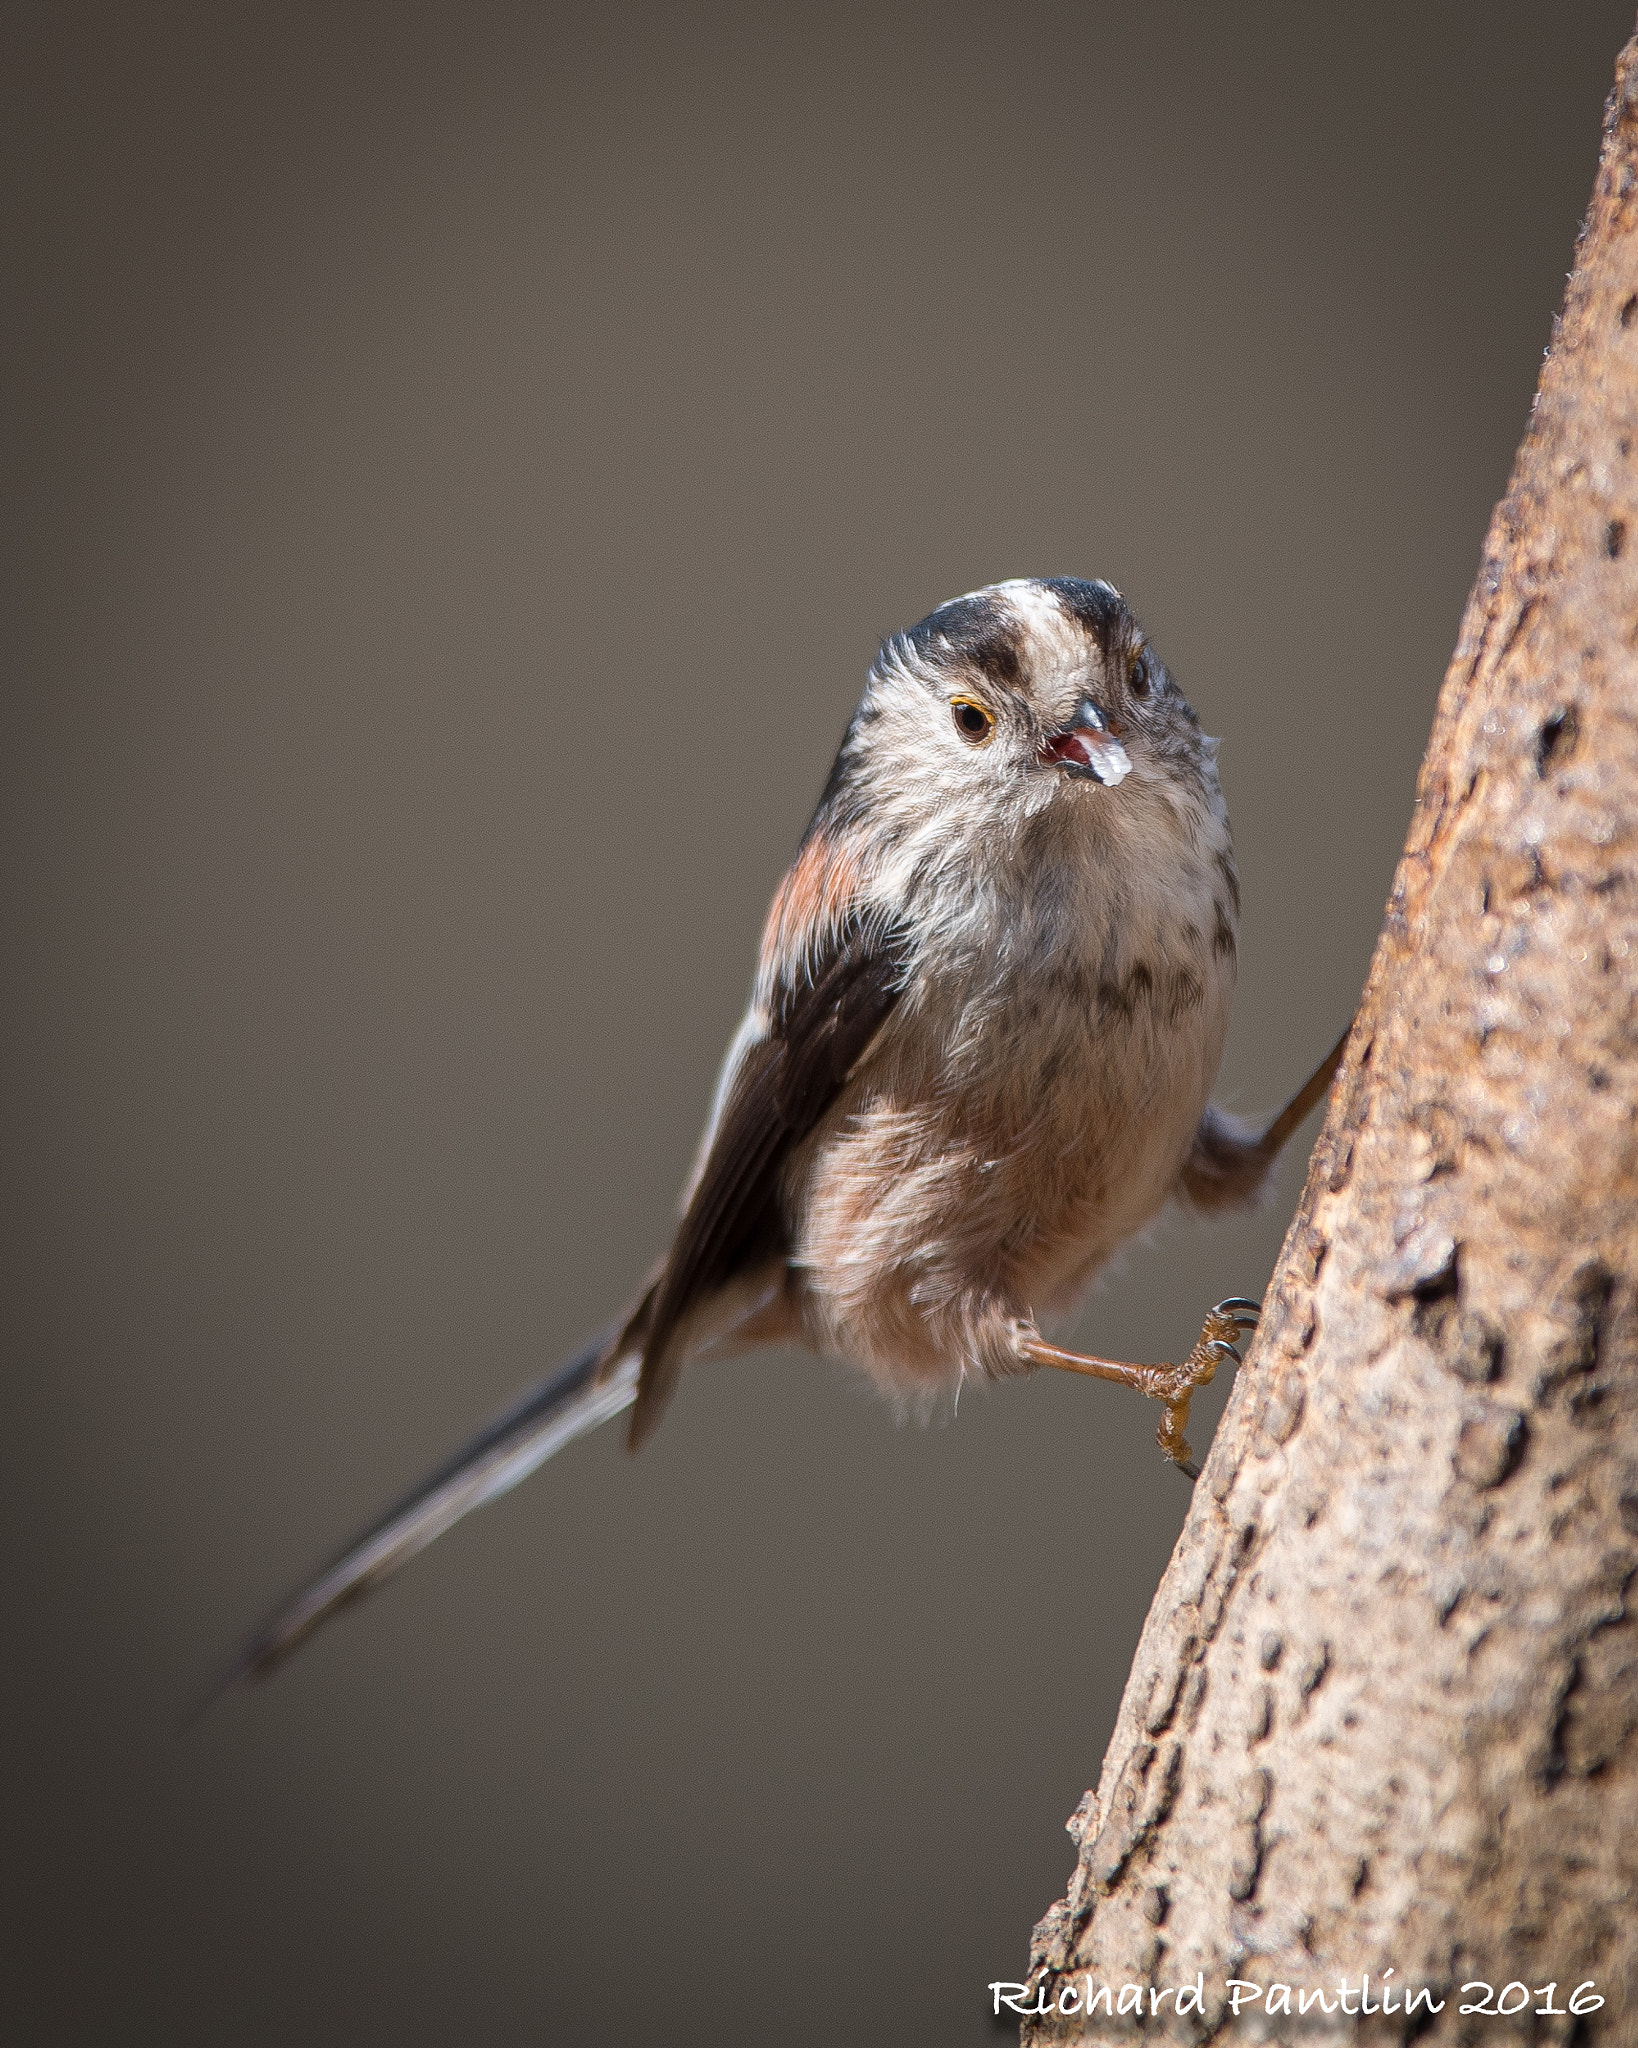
(1087, 747)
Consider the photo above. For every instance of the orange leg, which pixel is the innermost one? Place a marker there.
(1172, 1384)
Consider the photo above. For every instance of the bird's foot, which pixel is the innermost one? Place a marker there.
(1219, 1339)
(1174, 1385)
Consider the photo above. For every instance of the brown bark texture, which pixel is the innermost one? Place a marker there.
(1384, 1712)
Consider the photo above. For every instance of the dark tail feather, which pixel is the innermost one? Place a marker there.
(1232, 1159)
(596, 1383)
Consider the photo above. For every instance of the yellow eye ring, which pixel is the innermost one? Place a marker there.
(974, 721)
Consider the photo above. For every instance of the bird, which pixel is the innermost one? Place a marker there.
(987, 1014)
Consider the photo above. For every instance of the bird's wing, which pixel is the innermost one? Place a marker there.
(833, 982)
(596, 1383)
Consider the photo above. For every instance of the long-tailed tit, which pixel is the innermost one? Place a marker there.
(990, 1003)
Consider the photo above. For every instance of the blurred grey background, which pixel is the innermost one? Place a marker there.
(460, 462)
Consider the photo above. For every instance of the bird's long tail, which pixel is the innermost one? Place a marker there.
(598, 1382)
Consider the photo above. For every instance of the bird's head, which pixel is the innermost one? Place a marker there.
(1024, 732)
(1031, 687)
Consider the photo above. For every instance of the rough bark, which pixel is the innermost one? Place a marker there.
(1384, 1713)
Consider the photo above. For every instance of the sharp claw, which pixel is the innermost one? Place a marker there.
(1238, 1310)
(1189, 1469)
(1226, 1349)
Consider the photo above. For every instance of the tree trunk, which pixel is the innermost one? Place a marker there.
(1384, 1713)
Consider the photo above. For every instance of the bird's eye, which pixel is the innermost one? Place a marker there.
(972, 720)
(1139, 680)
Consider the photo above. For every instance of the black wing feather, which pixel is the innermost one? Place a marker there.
(821, 1024)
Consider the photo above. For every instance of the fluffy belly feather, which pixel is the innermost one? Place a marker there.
(990, 1160)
